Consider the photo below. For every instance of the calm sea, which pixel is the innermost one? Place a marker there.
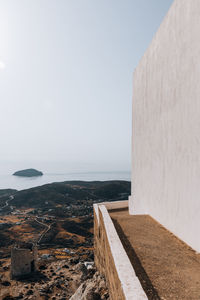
(52, 173)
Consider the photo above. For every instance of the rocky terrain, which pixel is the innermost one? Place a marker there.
(58, 218)
(61, 279)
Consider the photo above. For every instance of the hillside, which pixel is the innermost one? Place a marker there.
(71, 192)
(59, 218)
(65, 208)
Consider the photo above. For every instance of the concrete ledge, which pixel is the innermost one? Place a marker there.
(115, 204)
(111, 258)
(96, 213)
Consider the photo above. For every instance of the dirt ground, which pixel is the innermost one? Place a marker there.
(168, 269)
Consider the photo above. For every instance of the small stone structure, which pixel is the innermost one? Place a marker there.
(23, 261)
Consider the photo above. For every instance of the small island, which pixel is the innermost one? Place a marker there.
(28, 173)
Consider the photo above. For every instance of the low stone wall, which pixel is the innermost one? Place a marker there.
(111, 259)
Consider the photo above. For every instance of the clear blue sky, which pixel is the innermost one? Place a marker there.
(66, 78)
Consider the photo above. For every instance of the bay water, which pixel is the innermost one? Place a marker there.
(54, 172)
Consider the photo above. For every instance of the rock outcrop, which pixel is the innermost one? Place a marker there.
(92, 289)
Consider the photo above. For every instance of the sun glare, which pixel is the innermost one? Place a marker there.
(2, 65)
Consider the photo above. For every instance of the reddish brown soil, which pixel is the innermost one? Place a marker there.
(167, 268)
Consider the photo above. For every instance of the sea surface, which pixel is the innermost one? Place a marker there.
(53, 174)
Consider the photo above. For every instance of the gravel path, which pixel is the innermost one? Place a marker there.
(167, 268)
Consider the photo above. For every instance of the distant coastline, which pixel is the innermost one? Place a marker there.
(21, 183)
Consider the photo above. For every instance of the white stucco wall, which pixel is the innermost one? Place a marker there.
(166, 125)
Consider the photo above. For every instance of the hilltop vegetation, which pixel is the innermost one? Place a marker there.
(71, 192)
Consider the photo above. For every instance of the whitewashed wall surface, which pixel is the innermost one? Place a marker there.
(166, 125)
